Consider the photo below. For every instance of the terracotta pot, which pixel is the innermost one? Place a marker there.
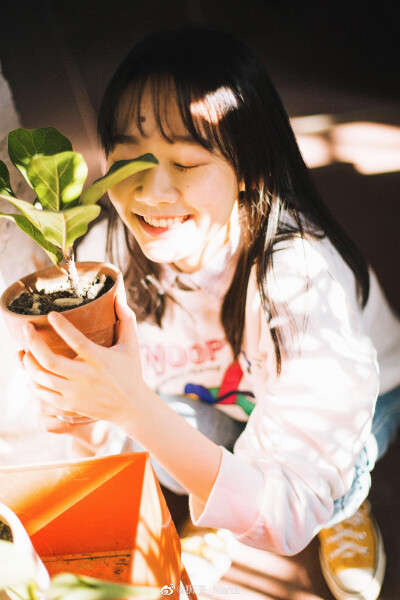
(96, 320)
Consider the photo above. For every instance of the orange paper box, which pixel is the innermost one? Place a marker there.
(103, 517)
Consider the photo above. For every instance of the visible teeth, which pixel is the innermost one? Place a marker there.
(170, 222)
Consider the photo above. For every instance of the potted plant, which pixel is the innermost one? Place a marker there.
(23, 576)
(59, 214)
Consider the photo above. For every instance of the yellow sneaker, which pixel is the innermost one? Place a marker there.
(352, 557)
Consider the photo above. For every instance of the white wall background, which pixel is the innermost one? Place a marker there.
(20, 441)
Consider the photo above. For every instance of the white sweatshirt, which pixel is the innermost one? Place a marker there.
(297, 452)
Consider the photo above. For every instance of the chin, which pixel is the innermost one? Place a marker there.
(161, 257)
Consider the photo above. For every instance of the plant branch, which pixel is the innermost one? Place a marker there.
(71, 270)
(16, 593)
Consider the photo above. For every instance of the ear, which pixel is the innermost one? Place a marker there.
(242, 187)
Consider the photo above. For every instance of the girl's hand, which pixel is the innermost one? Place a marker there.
(107, 384)
(46, 414)
(102, 383)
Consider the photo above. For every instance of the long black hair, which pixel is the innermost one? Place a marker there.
(256, 138)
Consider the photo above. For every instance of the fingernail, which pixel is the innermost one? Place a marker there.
(52, 317)
(28, 328)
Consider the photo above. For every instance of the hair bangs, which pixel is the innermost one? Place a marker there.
(206, 113)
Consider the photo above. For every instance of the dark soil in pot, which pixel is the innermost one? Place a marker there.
(5, 532)
(95, 318)
(39, 302)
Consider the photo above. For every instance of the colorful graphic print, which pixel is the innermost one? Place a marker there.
(228, 393)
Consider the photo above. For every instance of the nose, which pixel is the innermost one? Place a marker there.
(156, 187)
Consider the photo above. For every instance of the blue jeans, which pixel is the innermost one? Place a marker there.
(224, 431)
(384, 428)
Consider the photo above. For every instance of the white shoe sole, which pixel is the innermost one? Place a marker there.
(371, 592)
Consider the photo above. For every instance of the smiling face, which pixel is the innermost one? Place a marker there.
(180, 211)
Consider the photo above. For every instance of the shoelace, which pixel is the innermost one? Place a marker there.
(349, 547)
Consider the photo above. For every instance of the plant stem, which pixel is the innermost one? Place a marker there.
(32, 592)
(71, 271)
(16, 593)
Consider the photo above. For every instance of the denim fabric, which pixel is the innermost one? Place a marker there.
(384, 428)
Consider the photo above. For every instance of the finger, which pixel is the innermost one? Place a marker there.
(54, 425)
(48, 409)
(40, 376)
(44, 409)
(43, 394)
(20, 358)
(46, 358)
(75, 339)
(29, 360)
(55, 404)
(127, 320)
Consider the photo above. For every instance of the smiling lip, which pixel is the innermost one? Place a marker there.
(162, 224)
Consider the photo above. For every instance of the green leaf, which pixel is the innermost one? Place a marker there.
(5, 184)
(57, 180)
(26, 144)
(118, 172)
(27, 227)
(59, 228)
(78, 587)
(77, 220)
(43, 220)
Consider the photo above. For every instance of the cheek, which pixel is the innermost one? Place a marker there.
(218, 199)
(122, 212)
(117, 196)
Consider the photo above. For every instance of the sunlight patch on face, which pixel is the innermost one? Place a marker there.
(215, 105)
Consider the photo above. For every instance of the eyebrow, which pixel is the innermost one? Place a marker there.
(123, 138)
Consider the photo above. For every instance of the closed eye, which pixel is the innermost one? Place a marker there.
(185, 168)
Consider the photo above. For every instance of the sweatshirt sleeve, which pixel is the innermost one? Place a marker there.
(310, 423)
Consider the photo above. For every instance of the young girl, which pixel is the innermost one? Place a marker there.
(250, 372)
